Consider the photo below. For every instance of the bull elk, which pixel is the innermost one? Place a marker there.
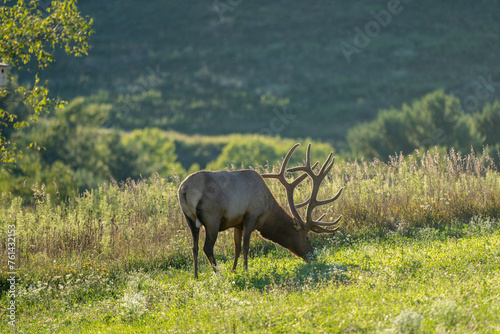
(241, 200)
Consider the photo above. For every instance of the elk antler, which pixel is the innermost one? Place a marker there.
(289, 187)
(312, 202)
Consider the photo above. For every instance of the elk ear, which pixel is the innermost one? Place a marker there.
(298, 226)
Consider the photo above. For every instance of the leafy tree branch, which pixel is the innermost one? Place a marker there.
(30, 33)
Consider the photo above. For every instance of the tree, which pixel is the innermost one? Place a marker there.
(249, 151)
(30, 33)
(258, 150)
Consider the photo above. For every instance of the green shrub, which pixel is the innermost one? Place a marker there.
(155, 152)
(437, 119)
(485, 126)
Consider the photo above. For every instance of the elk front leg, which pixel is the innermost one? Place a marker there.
(210, 239)
(238, 234)
(248, 228)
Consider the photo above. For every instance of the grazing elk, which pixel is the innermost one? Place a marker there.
(241, 200)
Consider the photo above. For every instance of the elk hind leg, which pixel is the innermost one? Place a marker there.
(195, 231)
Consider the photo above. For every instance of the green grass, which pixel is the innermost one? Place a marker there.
(427, 283)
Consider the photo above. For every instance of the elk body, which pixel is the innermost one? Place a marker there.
(241, 200)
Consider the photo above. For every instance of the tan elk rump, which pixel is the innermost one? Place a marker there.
(241, 200)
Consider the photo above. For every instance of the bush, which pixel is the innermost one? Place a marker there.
(244, 151)
(437, 119)
(155, 152)
(485, 126)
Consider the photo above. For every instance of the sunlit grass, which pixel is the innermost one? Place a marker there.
(424, 283)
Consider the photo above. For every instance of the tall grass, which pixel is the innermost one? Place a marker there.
(428, 189)
(138, 224)
(121, 224)
(424, 189)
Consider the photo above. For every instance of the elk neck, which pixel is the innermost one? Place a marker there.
(280, 227)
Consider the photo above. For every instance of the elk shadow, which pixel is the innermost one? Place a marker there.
(296, 278)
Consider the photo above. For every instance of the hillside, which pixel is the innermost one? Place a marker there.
(275, 68)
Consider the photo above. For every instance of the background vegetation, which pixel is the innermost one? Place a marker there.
(78, 153)
(30, 32)
(180, 67)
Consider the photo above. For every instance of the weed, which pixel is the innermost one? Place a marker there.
(407, 322)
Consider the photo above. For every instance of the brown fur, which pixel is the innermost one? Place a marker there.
(241, 200)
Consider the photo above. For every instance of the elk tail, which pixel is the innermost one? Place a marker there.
(189, 199)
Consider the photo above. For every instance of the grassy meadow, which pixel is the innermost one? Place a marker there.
(418, 252)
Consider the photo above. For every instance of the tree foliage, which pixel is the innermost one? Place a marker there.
(30, 33)
(253, 150)
(155, 152)
(75, 153)
(485, 125)
(437, 119)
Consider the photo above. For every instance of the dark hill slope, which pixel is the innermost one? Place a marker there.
(239, 74)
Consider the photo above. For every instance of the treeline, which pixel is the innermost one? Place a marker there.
(183, 68)
(78, 147)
